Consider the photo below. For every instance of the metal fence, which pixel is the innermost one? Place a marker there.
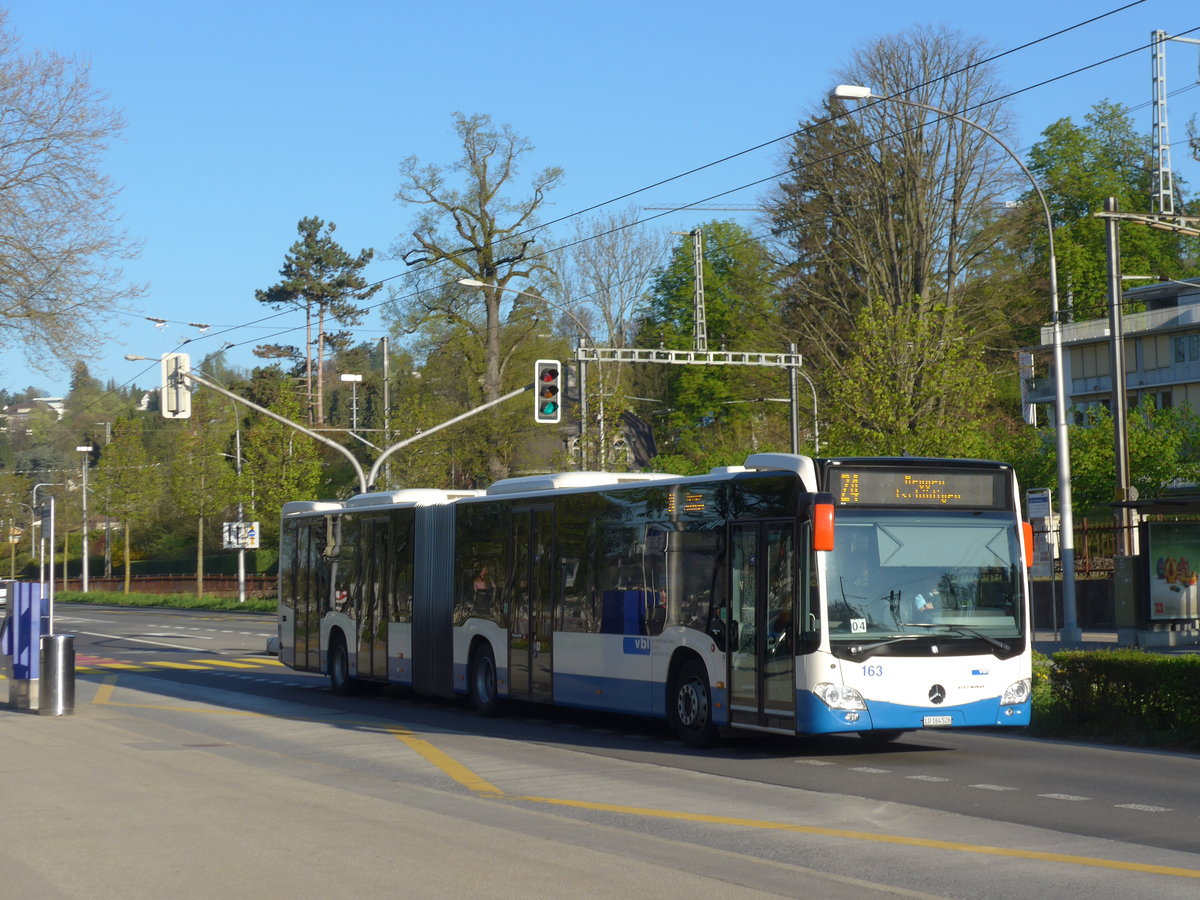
(1095, 546)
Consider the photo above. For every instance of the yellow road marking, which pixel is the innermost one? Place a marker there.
(467, 778)
(174, 665)
(224, 662)
(104, 698)
(262, 662)
(449, 765)
(874, 837)
(104, 692)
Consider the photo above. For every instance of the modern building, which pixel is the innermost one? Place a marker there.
(1162, 355)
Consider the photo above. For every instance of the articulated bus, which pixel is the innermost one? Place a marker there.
(790, 595)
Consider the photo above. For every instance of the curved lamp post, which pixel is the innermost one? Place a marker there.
(1070, 629)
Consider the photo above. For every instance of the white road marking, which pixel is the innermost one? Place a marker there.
(121, 637)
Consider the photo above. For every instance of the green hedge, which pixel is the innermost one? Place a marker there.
(1129, 696)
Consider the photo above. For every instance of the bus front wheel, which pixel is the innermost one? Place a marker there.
(691, 705)
(484, 696)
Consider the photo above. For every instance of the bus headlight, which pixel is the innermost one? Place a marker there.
(836, 696)
(1017, 692)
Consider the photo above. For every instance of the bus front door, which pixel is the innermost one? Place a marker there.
(762, 658)
(530, 652)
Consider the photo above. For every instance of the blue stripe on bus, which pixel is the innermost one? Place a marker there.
(817, 718)
(611, 694)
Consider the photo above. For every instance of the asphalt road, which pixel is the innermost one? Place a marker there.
(194, 764)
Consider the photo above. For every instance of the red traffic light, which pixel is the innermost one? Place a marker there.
(547, 405)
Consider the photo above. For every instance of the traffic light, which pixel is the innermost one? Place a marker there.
(547, 391)
(175, 396)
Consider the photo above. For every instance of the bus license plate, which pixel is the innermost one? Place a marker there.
(937, 721)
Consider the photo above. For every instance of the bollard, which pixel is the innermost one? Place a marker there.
(58, 675)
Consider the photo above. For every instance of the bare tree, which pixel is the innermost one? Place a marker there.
(475, 231)
(604, 275)
(60, 247)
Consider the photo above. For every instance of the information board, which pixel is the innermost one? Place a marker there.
(919, 487)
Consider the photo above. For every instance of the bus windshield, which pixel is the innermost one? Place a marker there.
(954, 575)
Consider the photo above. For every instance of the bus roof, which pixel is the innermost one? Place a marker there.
(560, 480)
(298, 507)
(407, 497)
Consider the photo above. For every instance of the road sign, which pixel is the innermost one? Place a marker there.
(240, 535)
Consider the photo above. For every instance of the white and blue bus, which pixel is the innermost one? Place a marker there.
(789, 595)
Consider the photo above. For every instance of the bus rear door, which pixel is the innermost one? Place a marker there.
(530, 650)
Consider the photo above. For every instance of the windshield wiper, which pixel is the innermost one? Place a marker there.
(963, 629)
(867, 648)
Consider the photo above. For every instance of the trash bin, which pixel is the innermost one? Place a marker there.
(58, 675)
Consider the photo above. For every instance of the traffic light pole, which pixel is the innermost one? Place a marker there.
(428, 431)
(189, 375)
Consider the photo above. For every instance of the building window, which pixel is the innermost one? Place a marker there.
(1160, 399)
(1187, 348)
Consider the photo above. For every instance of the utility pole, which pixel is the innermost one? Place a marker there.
(700, 321)
(85, 451)
(1162, 199)
(1120, 411)
(387, 406)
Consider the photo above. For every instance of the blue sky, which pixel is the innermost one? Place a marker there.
(244, 117)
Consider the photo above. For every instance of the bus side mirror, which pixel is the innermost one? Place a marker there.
(1027, 534)
(822, 517)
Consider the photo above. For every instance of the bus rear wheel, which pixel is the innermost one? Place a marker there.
(691, 705)
(339, 668)
(484, 696)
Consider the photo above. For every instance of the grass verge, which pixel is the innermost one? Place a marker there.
(169, 601)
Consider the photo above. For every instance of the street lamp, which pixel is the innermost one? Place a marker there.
(354, 381)
(85, 451)
(1067, 538)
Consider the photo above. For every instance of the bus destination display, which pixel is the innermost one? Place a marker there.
(929, 488)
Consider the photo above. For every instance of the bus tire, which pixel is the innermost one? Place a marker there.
(339, 667)
(485, 698)
(691, 705)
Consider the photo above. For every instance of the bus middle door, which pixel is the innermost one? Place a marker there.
(530, 652)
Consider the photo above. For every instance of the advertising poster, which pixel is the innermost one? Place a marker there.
(1174, 560)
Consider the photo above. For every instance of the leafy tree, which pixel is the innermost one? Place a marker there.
(908, 387)
(453, 348)
(279, 464)
(321, 278)
(129, 482)
(201, 482)
(60, 275)
(710, 410)
(1078, 168)
(1163, 448)
(476, 232)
